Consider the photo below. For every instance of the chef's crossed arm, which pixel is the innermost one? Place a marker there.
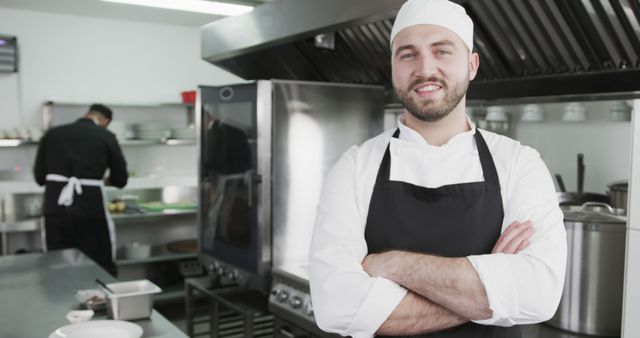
(451, 290)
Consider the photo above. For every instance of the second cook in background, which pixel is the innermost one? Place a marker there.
(436, 228)
(71, 162)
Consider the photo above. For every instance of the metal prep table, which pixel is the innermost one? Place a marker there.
(37, 290)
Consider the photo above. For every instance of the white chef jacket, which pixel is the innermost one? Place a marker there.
(522, 288)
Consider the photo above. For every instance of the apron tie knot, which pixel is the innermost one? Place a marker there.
(66, 195)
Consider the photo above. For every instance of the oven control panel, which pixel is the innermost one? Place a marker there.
(291, 299)
(227, 271)
(229, 274)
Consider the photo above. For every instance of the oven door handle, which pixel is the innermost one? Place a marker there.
(252, 180)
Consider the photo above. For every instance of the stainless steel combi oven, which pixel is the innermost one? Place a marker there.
(264, 149)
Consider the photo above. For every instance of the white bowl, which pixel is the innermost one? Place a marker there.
(78, 316)
(136, 250)
(532, 113)
(620, 111)
(574, 112)
(496, 113)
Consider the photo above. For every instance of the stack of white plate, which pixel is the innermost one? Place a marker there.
(151, 131)
(186, 133)
(119, 128)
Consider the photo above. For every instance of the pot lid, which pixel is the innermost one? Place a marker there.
(592, 212)
(619, 185)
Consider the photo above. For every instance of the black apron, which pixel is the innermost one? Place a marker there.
(455, 220)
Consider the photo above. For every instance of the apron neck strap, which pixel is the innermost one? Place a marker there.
(486, 161)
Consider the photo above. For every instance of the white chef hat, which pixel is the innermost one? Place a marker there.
(435, 12)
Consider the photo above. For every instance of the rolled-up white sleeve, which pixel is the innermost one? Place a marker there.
(346, 300)
(525, 288)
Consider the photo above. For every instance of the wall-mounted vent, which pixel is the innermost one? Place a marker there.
(8, 54)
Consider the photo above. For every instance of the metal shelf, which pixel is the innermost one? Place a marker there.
(26, 225)
(48, 108)
(167, 142)
(120, 104)
(151, 215)
(159, 253)
(10, 143)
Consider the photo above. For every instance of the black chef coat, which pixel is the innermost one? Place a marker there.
(84, 150)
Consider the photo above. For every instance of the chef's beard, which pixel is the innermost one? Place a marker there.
(427, 111)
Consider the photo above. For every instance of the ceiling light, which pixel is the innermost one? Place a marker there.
(199, 6)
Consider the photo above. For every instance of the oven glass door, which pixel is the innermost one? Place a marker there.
(228, 208)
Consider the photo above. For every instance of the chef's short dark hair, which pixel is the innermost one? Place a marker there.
(102, 109)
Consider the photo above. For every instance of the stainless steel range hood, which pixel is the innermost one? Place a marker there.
(527, 47)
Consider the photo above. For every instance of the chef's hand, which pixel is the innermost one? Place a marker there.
(515, 238)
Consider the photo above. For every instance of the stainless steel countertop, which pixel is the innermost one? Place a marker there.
(37, 290)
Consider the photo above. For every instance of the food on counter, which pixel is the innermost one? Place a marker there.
(117, 206)
(161, 206)
(92, 299)
(125, 204)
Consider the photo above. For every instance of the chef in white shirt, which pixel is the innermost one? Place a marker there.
(436, 228)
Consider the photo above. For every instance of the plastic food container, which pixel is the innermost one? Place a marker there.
(131, 300)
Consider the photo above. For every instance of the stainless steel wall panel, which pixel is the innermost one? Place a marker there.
(313, 125)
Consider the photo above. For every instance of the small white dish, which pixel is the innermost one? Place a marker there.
(137, 250)
(620, 111)
(79, 316)
(99, 329)
(496, 113)
(574, 112)
(532, 113)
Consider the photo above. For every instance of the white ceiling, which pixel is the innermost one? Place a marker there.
(102, 9)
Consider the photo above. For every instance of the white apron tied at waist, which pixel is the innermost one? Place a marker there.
(74, 186)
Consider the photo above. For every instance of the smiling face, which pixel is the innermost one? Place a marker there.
(431, 69)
